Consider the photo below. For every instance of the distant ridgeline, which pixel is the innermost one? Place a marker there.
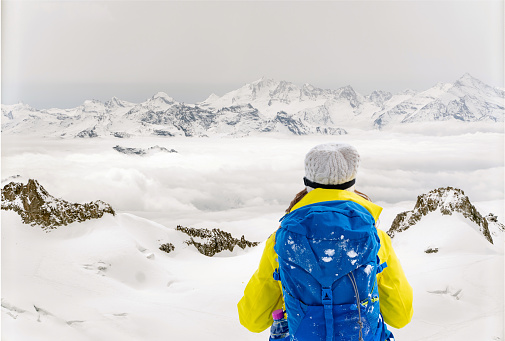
(447, 201)
(264, 106)
(37, 207)
(142, 151)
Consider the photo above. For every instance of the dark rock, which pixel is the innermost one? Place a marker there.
(213, 241)
(330, 131)
(130, 151)
(431, 250)
(121, 134)
(88, 133)
(141, 151)
(447, 200)
(167, 247)
(239, 113)
(492, 219)
(37, 207)
(294, 126)
(163, 133)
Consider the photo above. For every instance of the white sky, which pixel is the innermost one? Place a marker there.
(57, 54)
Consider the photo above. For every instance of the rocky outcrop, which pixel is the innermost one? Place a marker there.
(121, 134)
(209, 242)
(167, 247)
(493, 219)
(296, 127)
(37, 207)
(88, 133)
(157, 132)
(141, 151)
(379, 97)
(496, 227)
(447, 200)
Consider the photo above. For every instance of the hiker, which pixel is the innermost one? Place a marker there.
(327, 265)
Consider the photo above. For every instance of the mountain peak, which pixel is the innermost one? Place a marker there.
(263, 81)
(468, 80)
(469, 77)
(447, 201)
(114, 102)
(212, 97)
(162, 95)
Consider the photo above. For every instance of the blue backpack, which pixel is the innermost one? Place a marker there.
(328, 263)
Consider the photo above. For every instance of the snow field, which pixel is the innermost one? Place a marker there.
(106, 279)
(458, 291)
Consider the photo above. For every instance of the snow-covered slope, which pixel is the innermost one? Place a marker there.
(263, 106)
(107, 280)
(453, 257)
(457, 277)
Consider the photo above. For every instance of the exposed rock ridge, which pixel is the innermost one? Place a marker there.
(447, 200)
(37, 207)
(213, 241)
(492, 219)
(142, 151)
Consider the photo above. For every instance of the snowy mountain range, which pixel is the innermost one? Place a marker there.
(263, 106)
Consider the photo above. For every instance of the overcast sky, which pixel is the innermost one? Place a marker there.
(57, 54)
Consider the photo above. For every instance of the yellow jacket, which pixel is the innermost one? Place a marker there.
(263, 294)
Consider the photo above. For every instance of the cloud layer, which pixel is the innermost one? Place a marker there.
(222, 174)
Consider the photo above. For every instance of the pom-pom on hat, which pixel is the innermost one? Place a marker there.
(331, 165)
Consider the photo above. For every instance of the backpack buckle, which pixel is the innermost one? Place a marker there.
(277, 275)
(327, 297)
(327, 300)
(380, 266)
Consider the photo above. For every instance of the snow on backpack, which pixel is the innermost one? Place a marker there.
(328, 263)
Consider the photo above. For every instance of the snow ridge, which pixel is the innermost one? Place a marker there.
(447, 201)
(37, 207)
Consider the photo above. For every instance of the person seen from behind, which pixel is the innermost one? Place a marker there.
(328, 267)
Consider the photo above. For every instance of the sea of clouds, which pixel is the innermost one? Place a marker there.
(261, 174)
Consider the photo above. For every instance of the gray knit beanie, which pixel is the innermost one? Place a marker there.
(331, 164)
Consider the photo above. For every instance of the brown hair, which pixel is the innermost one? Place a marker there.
(297, 198)
(302, 193)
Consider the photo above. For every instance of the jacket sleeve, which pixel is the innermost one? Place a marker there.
(395, 292)
(262, 294)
